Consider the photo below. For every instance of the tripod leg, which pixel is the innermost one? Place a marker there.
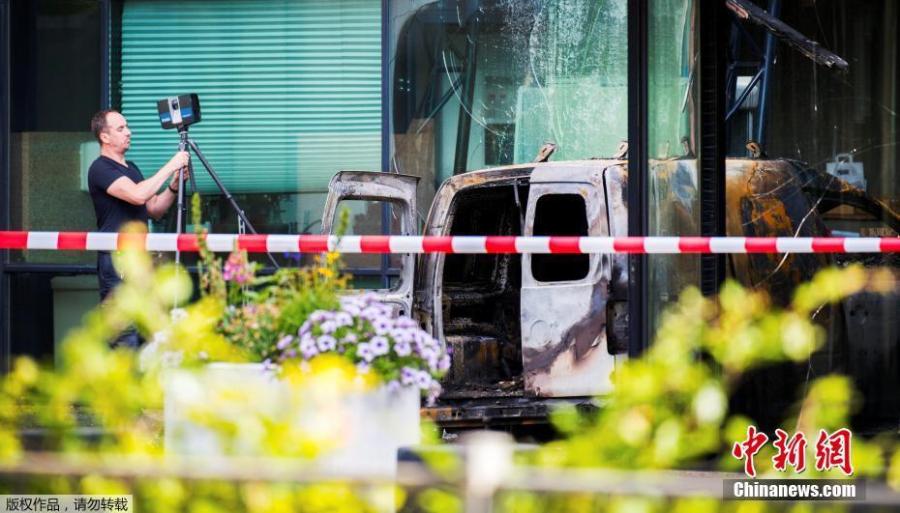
(180, 209)
(179, 218)
(191, 177)
(228, 196)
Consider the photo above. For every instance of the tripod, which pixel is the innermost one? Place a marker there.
(185, 143)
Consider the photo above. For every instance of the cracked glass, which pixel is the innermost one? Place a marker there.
(812, 151)
(488, 83)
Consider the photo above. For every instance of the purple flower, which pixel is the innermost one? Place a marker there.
(284, 342)
(401, 335)
(371, 313)
(393, 386)
(433, 392)
(379, 345)
(365, 352)
(408, 375)
(382, 325)
(402, 348)
(343, 319)
(319, 316)
(326, 343)
(423, 380)
(428, 353)
(362, 367)
(305, 327)
(444, 363)
(349, 338)
(328, 327)
(308, 346)
(405, 322)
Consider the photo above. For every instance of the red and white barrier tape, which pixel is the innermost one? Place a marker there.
(95, 241)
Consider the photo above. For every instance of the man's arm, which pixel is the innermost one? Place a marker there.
(140, 193)
(160, 203)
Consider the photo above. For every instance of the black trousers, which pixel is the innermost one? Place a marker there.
(108, 279)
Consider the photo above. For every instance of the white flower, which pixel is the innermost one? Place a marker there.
(379, 345)
(423, 380)
(382, 325)
(343, 319)
(365, 352)
(308, 346)
(326, 343)
(371, 313)
(406, 322)
(178, 314)
(328, 327)
(402, 348)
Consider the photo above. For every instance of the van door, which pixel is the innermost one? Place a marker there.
(564, 335)
(375, 200)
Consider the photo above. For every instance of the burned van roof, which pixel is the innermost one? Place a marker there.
(568, 171)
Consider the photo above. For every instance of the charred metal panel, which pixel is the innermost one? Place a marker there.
(501, 413)
(615, 181)
(429, 285)
(564, 344)
(374, 186)
(747, 10)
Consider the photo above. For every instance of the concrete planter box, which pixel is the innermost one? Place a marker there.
(368, 427)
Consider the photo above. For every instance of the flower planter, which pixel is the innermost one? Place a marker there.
(364, 429)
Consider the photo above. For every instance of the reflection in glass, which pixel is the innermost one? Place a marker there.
(673, 93)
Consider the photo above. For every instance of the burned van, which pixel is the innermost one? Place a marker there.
(530, 330)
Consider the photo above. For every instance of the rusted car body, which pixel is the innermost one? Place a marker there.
(528, 331)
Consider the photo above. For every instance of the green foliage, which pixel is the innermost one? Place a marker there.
(669, 408)
(258, 311)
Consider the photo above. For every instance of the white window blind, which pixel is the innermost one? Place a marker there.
(290, 89)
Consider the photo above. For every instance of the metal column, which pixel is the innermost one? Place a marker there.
(638, 201)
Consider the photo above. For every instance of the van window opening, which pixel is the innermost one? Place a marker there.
(560, 214)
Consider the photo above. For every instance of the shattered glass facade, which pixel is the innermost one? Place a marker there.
(812, 150)
(487, 83)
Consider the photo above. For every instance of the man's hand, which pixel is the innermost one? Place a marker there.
(185, 174)
(178, 161)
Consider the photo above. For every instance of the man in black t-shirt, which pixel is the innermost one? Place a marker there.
(121, 194)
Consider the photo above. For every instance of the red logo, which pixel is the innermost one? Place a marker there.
(790, 451)
(748, 448)
(833, 451)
